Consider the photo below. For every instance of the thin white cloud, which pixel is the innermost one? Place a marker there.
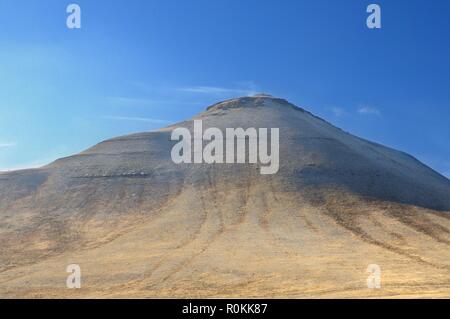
(241, 88)
(33, 164)
(217, 90)
(367, 110)
(338, 111)
(25, 166)
(122, 101)
(128, 101)
(2, 145)
(40, 161)
(136, 119)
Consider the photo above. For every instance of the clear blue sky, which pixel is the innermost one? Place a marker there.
(136, 64)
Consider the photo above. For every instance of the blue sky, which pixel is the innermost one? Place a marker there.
(138, 65)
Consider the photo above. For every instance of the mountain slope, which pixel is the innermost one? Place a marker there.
(141, 226)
